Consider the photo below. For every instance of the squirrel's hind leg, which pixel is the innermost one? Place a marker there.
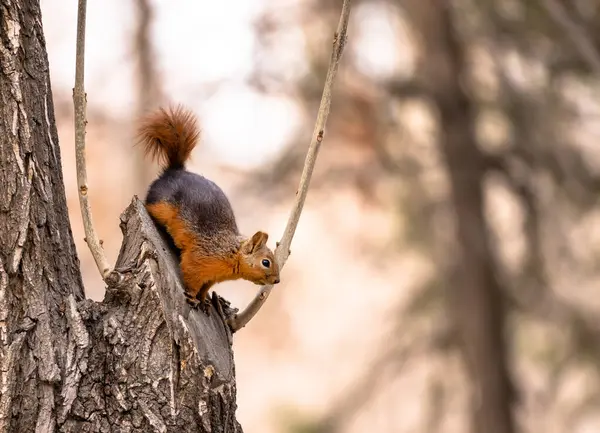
(203, 298)
(200, 298)
(192, 280)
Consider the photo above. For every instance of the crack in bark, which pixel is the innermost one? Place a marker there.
(76, 361)
(157, 424)
(3, 306)
(22, 208)
(8, 380)
(46, 421)
(174, 378)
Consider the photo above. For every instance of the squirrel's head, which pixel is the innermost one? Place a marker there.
(257, 261)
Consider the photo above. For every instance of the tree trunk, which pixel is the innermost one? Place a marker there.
(140, 361)
(476, 301)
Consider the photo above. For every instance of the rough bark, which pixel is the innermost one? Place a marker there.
(39, 267)
(476, 301)
(140, 361)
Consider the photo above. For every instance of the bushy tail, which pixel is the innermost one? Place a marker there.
(169, 136)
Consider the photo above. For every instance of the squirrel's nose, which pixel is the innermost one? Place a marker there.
(276, 281)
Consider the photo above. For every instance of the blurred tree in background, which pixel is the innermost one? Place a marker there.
(497, 186)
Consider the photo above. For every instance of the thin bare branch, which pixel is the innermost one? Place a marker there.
(79, 102)
(282, 251)
(580, 40)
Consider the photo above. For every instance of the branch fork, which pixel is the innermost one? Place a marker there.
(282, 252)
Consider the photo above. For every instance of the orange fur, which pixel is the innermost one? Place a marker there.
(169, 136)
(168, 216)
(199, 270)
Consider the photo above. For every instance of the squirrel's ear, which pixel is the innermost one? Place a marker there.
(259, 240)
(256, 242)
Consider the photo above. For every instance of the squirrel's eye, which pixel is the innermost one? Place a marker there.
(266, 263)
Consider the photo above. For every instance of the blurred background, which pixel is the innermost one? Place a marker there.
(444, 275)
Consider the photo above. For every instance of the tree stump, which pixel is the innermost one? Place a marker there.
(143, 360)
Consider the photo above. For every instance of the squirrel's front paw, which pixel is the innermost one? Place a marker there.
(192, 301)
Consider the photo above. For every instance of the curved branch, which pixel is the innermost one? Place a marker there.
(282, 251)
(79, 103)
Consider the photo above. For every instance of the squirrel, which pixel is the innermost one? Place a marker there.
(195, 213)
